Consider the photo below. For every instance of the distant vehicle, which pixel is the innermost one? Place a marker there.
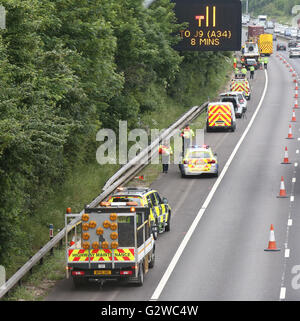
(199, 160)
(274, 37)
(254, 32)
(294, 32)
(238, 100)
(270, 25)
(277, 29)
(220, 116)
(262, 20)
(298, 35)
(251, 62)
(294, 53)
(265, 44)
(281, 46)
(241, 84)
(292, 44)
(287, 32)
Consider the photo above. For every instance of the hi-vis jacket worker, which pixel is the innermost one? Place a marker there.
(252, 69)
(187, 135)
(260, 62)
(165, 150)
(266, 60)
(234, 62)
(244, 71)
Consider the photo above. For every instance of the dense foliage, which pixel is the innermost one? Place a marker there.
(274, 8)
(68, 68)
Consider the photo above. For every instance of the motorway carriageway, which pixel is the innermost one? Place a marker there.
(224, 259)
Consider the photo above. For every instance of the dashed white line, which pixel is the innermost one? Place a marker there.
(296, 164)
(297, 151)
(290, 222)
(287, 253)
(292, 198)
(294, 180)
(282, 293)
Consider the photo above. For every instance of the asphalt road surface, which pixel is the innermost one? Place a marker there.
(225, 259)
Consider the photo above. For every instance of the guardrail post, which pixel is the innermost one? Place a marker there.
(51, 236)
(42, 259)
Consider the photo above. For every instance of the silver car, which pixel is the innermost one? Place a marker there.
(294, 52)
(238, 99)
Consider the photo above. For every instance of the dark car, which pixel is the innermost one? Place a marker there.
(292, 44)
(281, 46)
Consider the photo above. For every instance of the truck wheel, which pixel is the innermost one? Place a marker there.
(152, 261)
(78, 282)
(140, 279)
(155, 231)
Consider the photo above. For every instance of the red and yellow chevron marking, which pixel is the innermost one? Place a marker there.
(219, 113)
(100, 255)
(240, 87)
(199, 163)
(124, 255)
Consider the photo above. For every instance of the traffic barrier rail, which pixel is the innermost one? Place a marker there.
(125, 174)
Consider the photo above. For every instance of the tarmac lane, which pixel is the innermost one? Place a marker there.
(186, 197)
(225, 259)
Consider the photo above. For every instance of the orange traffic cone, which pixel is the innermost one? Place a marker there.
(296, 94)
(286, 157)
(282, 192)
(294, 75)
(296, 87)
(291, 69)
(295, 80)
(290, 135)
(296, 104)
(272, 243)
(293, 117)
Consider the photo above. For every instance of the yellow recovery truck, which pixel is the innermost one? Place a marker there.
(114, 243)
(265, 44)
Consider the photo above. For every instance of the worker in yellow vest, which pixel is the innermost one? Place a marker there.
(244, 71)
(187, 135)
(266, 60)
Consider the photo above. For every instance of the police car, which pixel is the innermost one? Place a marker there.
(199, 160)
(160, 210)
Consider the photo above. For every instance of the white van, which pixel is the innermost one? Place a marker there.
(220, 115)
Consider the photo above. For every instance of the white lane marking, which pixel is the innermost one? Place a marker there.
(287, 253)
(292, 198)
(290, 222)
(282, 293)
(294, 180)
(296, 164)
(297, 151)
(162, 283)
